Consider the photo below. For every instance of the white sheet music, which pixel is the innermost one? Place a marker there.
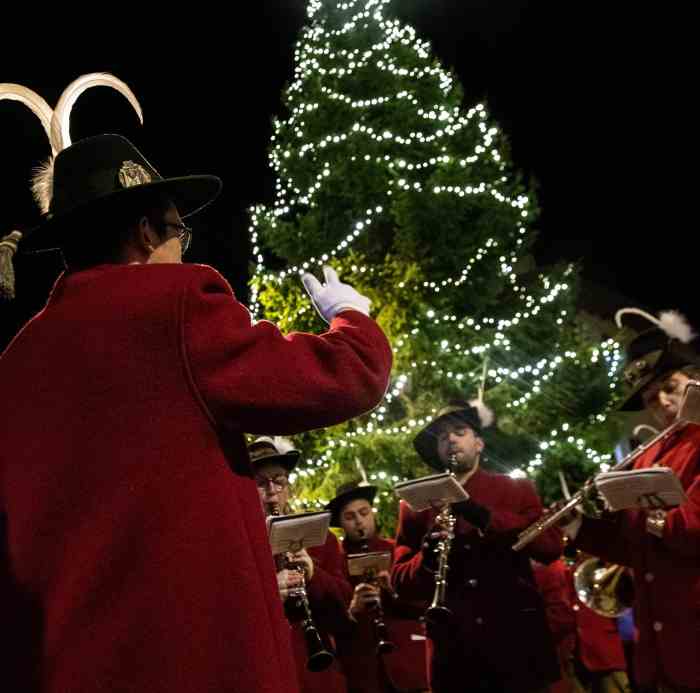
(360, 563)
(656, 487)
(421, 493)
(296, 532)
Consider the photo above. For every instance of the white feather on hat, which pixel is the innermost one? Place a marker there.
(673, 323)
(283, 445)
(486, 415)
(676, 326)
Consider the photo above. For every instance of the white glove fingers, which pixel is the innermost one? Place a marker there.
(311, 284)
(330, 275)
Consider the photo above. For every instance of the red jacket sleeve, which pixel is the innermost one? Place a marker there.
(505, 525)
(682, 530)
(612, 538)
(328, 590)
(410, 578)
(255, 379)
(553, 585)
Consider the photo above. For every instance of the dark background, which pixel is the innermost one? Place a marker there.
(597, 102)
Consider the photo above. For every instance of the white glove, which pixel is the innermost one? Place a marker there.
(333, 297)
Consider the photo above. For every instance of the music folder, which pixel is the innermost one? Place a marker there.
(652, 487)
(430, 491)
(295, 532)
(376, 561)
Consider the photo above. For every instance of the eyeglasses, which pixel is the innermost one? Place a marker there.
(280, 481)
(184, 234)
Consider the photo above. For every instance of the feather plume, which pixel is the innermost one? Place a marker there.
(283, 445)
(486, 415)
(676, 326)
(42, 185)
(363, 473)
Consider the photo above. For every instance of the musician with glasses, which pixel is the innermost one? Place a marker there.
(134, 555)
(662, 546)
(496, 638)
(327, 588)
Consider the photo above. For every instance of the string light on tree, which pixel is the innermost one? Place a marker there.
(383, 172)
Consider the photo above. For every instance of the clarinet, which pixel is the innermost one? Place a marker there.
(438, 614)
(381, 632)
(297, 610)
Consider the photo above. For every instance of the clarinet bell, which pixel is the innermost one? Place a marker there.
(319, 658)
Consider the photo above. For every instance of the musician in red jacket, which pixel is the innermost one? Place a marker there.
(661, 545)
(367, 671)
(497, 637)
(328, 590)
(552, 582)
(134, 550)
(589, 645)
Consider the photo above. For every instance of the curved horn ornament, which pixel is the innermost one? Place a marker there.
(60, 121)
(32, 100)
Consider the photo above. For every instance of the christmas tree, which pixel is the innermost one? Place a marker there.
(384, 173)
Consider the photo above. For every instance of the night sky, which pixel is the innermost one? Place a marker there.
(594, 99)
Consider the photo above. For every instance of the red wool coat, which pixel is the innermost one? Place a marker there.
(577, 630)
(498, 628)
(135, 556)
(553, 583)
(404, 668)
(329, 595)
(666, 570)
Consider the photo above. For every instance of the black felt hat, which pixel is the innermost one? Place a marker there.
(268, 450)
(474, 414)
(669, 346)
(351, 491)
(97, 175)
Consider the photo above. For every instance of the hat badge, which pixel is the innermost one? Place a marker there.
(636, 371)
(132, 174)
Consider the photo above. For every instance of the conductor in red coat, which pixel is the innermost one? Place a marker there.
(134, 551)
(367, 671)
(497, 637)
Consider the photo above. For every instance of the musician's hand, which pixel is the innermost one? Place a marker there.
(472, 512)
(430, 544)
(383, 581)
(364, 599)
(287, 580)
(303, 558)
(592, 503)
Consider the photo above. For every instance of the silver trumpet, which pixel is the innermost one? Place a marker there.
(688, 413)
(438, 614)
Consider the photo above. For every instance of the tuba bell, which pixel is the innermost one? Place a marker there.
(605, 588)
